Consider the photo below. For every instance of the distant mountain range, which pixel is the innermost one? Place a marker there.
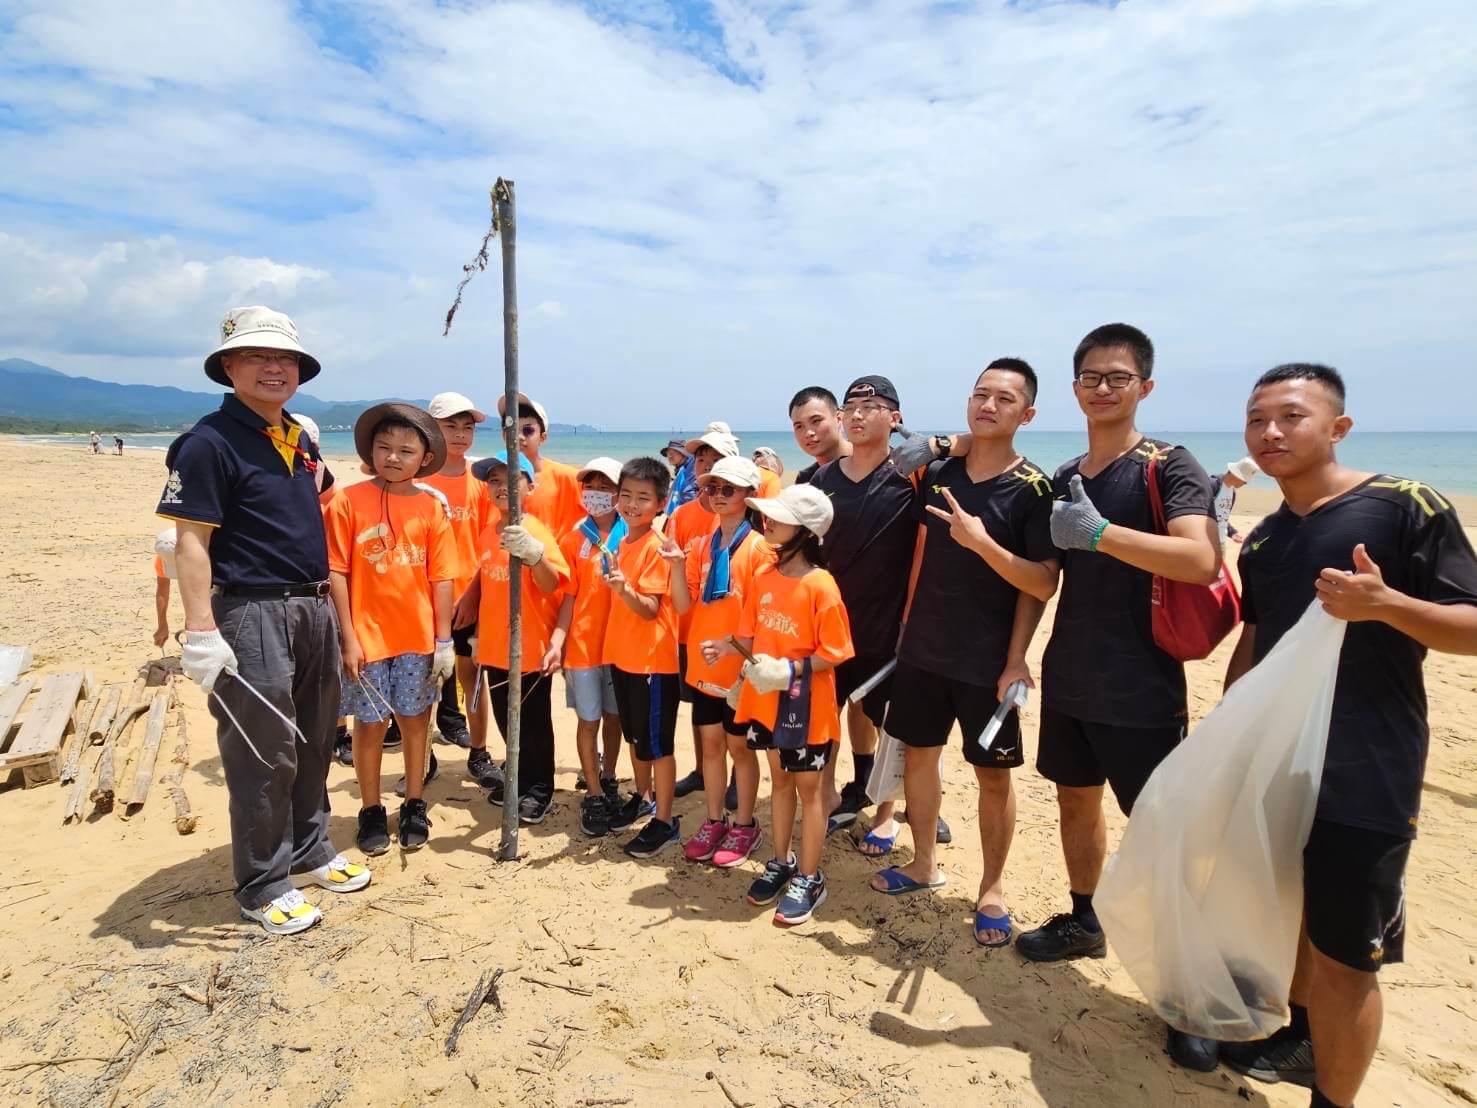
(37, 398)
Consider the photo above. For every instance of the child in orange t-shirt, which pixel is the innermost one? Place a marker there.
(391, 561)
(710, 583)
(590, 548)
(795, 626)
(641, 646)
(466, 500)
(545, 575)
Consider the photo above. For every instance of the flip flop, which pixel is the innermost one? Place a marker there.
(986, 922)
(839, 819)
(898, 883)
(882, 843)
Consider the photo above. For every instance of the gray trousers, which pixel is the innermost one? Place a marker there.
(289, 651)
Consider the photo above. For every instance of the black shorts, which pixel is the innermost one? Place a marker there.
(852, 674)
(1354, 895)
(461, 640)
(1081, 754)
(925, 706)
(708, 710)
(803, 759)
(647, 703)
(685, 692)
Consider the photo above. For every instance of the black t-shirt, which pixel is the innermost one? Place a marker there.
(806, 475)
(869, 550)
(963, 610)
(1101, 663)
(1377, 736)
(226, 472)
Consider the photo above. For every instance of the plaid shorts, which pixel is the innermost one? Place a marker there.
(401, 685)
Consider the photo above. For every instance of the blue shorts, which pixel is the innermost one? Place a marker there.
(590, 692)
(401, 685)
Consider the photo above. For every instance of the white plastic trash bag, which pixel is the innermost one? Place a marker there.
(886, 779)
(14, 661)
(1204, 899)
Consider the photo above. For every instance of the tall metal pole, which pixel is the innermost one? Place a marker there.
(507, 223)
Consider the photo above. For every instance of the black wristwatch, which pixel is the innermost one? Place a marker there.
(942, 444)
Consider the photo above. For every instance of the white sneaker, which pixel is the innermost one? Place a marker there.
(287, 915)
(340, 875)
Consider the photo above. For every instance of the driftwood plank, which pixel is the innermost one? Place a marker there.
(37, 748)
(12, 698)
(143, 770)
(102, 723)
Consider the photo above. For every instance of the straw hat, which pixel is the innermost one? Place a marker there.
(418, 418)
(263, 329)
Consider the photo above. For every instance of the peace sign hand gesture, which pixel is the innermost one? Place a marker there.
(967, 530)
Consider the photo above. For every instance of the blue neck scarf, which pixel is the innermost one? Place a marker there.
(716, 586)
(606, 545)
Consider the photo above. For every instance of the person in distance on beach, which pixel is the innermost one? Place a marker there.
(1389, 556)
(1114, 703)
(253, 572)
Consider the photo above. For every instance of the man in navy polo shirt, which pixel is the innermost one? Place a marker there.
(261, 637)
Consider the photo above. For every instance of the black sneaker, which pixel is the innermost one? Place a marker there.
(456, 734)
(1284, 1055)
(634, 810)
(655, 837)
(374, 830)
(415, 825)
(1060, 938)
(1192, 1052)
(730, 794)
(480, 765)
(430, 776)
(769, 884)
(595, 815)
(803, 896)
(853, 800)
(942, 834)
(532, 809)
(612, 790)
(392, 735)
(690, 784)
(343, 747)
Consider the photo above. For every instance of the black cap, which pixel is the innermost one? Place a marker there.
(871, 387)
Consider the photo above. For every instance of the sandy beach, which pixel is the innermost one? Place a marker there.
(625, 982)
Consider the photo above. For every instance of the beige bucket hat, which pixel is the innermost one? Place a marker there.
(262, 328)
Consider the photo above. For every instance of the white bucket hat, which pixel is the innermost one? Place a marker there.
(800, 505)
(606, 467)
(538, 409)
(262, 328)
(724, 443)
(735, 470)
(444, 405)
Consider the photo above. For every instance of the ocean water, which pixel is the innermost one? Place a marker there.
(1446, 460)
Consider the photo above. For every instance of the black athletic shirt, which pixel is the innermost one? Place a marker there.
(869, 550)
(963, 610)
(1101, 664)
(1377, 738)
(806, 475)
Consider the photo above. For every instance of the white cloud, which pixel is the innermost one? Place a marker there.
(908, 188)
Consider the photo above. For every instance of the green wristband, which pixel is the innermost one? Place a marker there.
(1097, 535)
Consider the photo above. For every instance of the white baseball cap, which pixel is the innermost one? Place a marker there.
(735, 470)
(720, 441)
(538, 409)
(800, 505)
(606, 467)
(309, 426)
(444, 405)
(260, 327)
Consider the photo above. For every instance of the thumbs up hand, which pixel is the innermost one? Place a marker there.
(1076, 524)
(1357, 595)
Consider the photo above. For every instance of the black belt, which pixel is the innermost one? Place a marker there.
(272, 592)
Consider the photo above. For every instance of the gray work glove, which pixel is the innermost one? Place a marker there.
(767, 674)
(913, 453)
(1076, 524)
(522, 545)
(732, 698)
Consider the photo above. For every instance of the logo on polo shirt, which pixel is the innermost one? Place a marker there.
(172, 488)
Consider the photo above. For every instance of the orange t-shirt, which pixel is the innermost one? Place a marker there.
(555, 498)
(586, 640)
(769, 483)
(720, 618)
(689, 524)
(540, 610)
(795, 618)
(392, 549)
(634, 644)
(469, 503)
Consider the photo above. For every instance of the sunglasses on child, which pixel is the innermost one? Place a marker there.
(715, 489)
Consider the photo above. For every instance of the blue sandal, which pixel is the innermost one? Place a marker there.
(882, 843)
(984, 922)
(898, 883)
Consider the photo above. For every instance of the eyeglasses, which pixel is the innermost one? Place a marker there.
(528, 430)
(725, 490)
(870, 408)
(257, 359)
(1116, 380)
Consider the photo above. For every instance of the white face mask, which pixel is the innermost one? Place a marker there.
(597, 503)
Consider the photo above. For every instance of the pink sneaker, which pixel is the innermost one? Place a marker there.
(737, 845)
(700, 847)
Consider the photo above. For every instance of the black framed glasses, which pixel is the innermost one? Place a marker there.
(1119, 379)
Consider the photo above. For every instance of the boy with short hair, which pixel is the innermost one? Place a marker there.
(641, 646)
(391, 560)
(590, 549)
(1389, 556)
(555, 499)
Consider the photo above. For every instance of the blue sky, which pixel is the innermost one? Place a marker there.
(723, 202)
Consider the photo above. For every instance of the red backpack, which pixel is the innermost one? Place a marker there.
(1189, 620)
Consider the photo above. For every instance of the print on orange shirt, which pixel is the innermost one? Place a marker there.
(795, 618)
(469, 503)
(392, 549)
(540, 610)
(634, 644)
(720, 618)
(585, 643)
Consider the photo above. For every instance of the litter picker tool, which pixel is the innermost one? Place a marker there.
(746, 655)
(872, 682)
(1015, 697)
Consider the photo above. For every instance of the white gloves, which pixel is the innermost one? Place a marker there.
(443, 662)
(521, 545)
(204, 656)
(768, 674)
